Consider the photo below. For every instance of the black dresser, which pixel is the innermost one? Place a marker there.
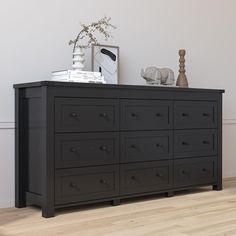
(84, 143)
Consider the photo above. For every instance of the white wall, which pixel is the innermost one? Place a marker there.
(35, 33)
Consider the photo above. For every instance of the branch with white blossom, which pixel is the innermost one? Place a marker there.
(89, 31)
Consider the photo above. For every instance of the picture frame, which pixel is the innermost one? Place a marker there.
(105, 59)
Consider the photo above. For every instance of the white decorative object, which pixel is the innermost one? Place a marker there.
(78, 59)
(158, 76)
(151, 75)
(105, 59)
(87, 37)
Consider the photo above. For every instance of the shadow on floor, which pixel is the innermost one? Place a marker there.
(93, 206)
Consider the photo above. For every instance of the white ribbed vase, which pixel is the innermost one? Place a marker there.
(78, 59)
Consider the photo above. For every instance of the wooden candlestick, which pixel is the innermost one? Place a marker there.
(182, 79)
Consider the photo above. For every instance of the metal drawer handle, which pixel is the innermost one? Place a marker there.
(74, 115)
(205, 114)
(104, 115)
(185, 114)
(185, 144)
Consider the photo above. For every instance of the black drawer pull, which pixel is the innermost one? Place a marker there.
(74, 115)
(159, 175)
(102, 181)
(205, 114)
(158, 115)
(135, 179)
(104, 148)
(104, 115)
(185, 144)
(185, 114)
(204, 169)
(74, 186)
(184, 172)
(134, 146)
(159, 145)
(205, 142)
(74, 150)
(134, 115)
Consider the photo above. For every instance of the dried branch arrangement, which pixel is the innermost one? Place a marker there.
(89, 31)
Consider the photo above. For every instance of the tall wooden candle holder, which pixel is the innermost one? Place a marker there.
(182, 78)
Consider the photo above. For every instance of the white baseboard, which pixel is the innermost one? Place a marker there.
(229, 121)
(7, 204)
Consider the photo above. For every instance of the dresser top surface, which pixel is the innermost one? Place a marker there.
(114, 86)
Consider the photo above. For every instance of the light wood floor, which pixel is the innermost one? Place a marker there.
(198, 212)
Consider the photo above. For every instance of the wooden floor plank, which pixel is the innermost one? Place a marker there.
(195, 213)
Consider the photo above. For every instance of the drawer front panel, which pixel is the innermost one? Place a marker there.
(86, 115)
(146, 114)
(145, 146)
(195, 114)
(195, 171)
(145, 177)
(193, 143)
(79, 150)
(84, 184)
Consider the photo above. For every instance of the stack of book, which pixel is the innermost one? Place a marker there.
(78, 76)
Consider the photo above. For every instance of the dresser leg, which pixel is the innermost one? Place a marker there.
(48, 212)
(115, 202)
(169, 194)
(217, 187)
(20, 203)
(21, 167)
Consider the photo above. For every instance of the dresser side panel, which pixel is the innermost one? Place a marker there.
(34, 143)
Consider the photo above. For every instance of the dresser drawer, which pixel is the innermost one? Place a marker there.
(145, 177)
(145, 146)
(86, 115)
(193, 143)
(86, 149)
(194, 171)
(195, 114)
(146, 114)
(84, 184)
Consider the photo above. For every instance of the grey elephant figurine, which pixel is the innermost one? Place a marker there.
(157, 76)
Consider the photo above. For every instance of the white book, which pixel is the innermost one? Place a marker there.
(74, 72)
(87, 81)
(67, 77)
(77, 78)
